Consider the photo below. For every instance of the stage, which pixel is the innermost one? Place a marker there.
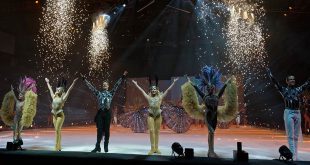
(261, 144)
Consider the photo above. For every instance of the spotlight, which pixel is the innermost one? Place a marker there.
(124, 5)
(101, 22)
(285, 153)
(291, 4)
(106, 17)
(177, 148)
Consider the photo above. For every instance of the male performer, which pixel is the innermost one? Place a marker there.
(103, 116)
(292, 118)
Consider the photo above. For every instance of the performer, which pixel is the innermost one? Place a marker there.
(103, 116)
(306, 109)
(292, 117)
(211, 79)
(154, 119)
(59, 99)
(307, 121)
(238, 120)
(25, 108)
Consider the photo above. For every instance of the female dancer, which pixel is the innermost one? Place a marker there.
(25, 108)
(59, 99)
(211, 112)
(154, 119)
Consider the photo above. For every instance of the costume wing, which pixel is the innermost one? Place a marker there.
(230, 109)
(176, 118)
(125, 119)
(137, 120)
(190, 102)
(7, 108)
(29, 108)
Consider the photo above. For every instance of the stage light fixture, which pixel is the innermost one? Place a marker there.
(285, 153)
(107, 18)
(240, 155)
(177, 149)
(189, 153)
(101, 22)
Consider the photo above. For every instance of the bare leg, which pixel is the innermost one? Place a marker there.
(58, 121)
(211, 152)
(158, 122)
(150, 122)
(19, 129)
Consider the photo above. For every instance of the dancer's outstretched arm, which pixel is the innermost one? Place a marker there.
(69, 90)
(90, 86)
(201, 94)
(305, 85)
(118, 83)
(165, 93)
(275, 82)
(12, 89)
(49, 87)
(143, 92)
(223, 88)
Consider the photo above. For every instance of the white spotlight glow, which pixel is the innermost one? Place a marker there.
(98, 49)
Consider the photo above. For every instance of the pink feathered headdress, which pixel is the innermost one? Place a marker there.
(27, 83)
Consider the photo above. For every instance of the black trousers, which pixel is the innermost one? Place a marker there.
(103, 121)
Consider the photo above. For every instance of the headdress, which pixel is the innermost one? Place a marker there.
(151, 84)
(62, 83)
(27, 83)
(210, 77)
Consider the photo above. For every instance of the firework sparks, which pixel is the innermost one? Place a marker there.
(60, 26)
(211, 18)
(238, 24)
(246, 46)
(210, 11)
(245, 41)
(99, 48)
(233, 35)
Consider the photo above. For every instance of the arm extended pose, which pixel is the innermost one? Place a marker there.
(154, 119)
(292, 117)
(103, 116)
(211, 101)
(25, 108)
(210, 89)
(58, 100)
